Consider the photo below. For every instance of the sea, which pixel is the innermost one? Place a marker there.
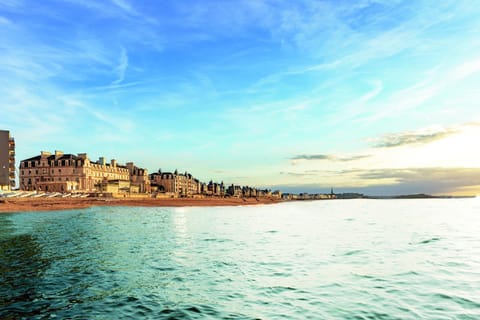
(330, 259)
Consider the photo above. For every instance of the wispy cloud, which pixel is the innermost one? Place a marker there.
(313, 157)
(298, 174)
(451, 177)
(121, 67)
(4, 21)
(435, 180)
(329, 157)
(124, 5)
(416, 137)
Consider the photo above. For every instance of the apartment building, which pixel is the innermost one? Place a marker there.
(215, 189)
(61, 172)
(7, 161)
(182, 185)
(139, 178)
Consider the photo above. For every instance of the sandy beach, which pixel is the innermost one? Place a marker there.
(46, 204)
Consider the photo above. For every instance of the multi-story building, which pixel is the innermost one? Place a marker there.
(7, 161)
(61, 172)
(139, 178)
(215, 189)
(235, 191)
(182, 185)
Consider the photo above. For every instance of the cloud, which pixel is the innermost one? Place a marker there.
(327, 157)
(4, 20)
(438, 180)
(457, 176)
(408, 138)
(11, 3)
(298, 174)
(312, 157)
(121, 67)
(124, 5)
(353, 158)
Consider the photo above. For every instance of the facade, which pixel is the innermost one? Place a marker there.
(139, 178)
(61, 172)
(182, 185)
(7, 161)
(235, 191)
(215, 189)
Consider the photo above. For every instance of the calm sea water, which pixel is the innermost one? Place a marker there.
(341, 259)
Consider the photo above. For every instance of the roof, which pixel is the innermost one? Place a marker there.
(52, 157)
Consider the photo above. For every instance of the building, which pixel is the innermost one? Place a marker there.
(235, 191)
(139, 178)
(61, 172)
(181, 185)
(7, 161)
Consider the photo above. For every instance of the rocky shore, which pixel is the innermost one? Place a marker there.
(47, 204)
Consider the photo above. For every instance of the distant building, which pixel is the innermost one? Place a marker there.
(235, 191)
(215, 189)
(61, 172)
(139, 178)
(7, 161)
(182, 185)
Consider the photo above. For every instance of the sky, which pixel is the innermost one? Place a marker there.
(372, 96)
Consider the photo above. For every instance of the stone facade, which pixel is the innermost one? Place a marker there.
(139, 178)
(181, 185)
(74, 173)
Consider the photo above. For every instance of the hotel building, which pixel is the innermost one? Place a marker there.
(7, 161)
(61, 172)
(181, 185)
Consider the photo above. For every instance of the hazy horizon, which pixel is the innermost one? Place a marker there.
(377, 97)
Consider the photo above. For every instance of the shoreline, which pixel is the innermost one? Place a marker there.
(13, 205)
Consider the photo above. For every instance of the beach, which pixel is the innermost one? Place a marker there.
(47, 204)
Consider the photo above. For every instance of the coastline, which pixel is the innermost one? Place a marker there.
(12, 205)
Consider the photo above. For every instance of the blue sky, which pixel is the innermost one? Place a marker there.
(372, 96)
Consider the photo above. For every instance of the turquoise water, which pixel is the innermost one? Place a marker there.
(348, 259)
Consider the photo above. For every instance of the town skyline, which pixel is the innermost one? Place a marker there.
(378, 97)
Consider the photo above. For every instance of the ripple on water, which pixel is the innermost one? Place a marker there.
(461, 301)
(244, 263)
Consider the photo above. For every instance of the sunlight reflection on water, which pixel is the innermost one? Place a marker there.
(326, 259)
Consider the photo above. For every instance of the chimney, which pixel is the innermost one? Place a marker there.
(58, 154)
(113, 163)
(45, 154)
(101, 160)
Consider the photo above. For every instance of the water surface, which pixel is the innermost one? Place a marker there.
(349, 259)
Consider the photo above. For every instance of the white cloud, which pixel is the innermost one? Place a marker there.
(121, 67)
(4, 21)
